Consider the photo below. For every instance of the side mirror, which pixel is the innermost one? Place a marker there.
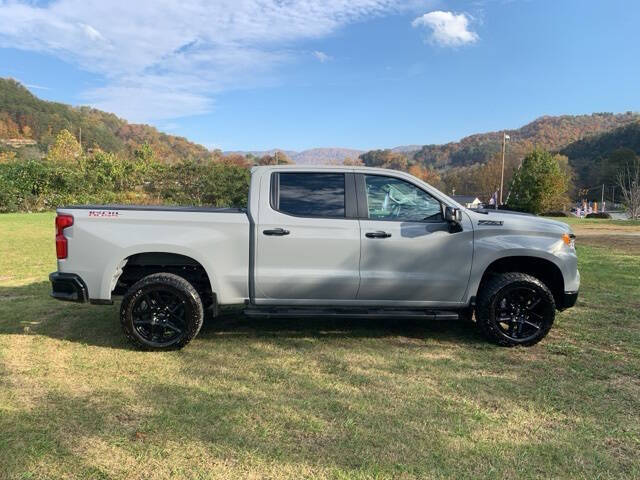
(452, 215)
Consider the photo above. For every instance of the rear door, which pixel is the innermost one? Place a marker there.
(409, 254)
(308, 239)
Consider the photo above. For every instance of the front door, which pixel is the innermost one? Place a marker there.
(408, 253)
(308, 240)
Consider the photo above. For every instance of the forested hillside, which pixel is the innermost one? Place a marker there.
(24, 116)
(473, 165)
(597, 159)
(546, 133)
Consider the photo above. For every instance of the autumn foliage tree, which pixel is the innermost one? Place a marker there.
(385, 159)
(481, 181)
(278, 158)
(66, 148)
(428, 175)
(352, 162)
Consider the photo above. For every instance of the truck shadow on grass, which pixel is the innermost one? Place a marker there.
(29, 309)
(239, 326)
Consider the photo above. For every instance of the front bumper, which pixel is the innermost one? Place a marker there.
(568, 300)
(68, 287)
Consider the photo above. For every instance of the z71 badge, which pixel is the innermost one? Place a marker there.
(490, 222)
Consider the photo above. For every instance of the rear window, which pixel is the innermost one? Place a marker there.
(312, 194)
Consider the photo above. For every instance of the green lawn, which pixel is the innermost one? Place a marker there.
(598, 222)
(320, 399)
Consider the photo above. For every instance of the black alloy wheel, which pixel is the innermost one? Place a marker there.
(162, 311)
(159, 316)
(515, 309)
(520, 313)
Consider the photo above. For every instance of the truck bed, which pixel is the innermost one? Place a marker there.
(103, 238)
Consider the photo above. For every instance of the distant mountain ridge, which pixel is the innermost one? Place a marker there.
(312, 156)
(25, 119)
(547, 132)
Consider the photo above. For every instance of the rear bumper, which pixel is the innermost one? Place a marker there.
(568, 300)
(68, 287)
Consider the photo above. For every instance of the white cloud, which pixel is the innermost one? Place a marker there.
(164, 59)
(91, 32)
(447, 28)
(36, 87)
(321, 56)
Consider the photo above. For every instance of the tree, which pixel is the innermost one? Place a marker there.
(385, 159)
(629, 183)
(541, 184)
(487, 177)
(66, 148)
(144, 153)
(479, 180)
(617, 161)
(352, 162)
(428, 175)
(278, 158)
(235, 159)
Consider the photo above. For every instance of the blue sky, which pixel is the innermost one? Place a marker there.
(259, 74)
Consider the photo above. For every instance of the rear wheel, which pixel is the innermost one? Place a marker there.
(161, 312)
(515, 309)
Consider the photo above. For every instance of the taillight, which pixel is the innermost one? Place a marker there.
(62, 222)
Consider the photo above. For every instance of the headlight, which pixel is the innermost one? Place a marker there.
(569, 239)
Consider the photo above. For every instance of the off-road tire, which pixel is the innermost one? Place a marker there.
(494, 290)
(171, 284)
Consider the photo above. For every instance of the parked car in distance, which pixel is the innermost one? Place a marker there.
(340, 241)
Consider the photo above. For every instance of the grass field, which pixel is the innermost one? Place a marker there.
(319, 399)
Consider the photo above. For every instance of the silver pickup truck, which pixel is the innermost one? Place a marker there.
(317, 241)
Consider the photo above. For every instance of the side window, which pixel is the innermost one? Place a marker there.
(311, 194)
(390, 198)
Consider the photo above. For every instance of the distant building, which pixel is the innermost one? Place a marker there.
(468, 201)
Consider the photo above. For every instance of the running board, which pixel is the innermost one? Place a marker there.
(317, 312)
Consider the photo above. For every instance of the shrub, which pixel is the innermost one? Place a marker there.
(41, 184)
(598, 215)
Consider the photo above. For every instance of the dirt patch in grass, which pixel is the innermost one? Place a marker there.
(628, 244)
(622, 238)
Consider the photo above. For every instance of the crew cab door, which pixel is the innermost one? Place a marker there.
(409, 254)
(307, 239)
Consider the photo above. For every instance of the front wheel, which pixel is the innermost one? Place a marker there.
(515, 309)
(161, 312)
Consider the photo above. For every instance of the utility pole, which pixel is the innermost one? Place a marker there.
(602, 200)
(504, 146)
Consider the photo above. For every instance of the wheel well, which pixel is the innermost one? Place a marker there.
(544, 270)
(140, 265)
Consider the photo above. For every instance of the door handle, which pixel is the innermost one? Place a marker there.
(277, 232)
(379, 234)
